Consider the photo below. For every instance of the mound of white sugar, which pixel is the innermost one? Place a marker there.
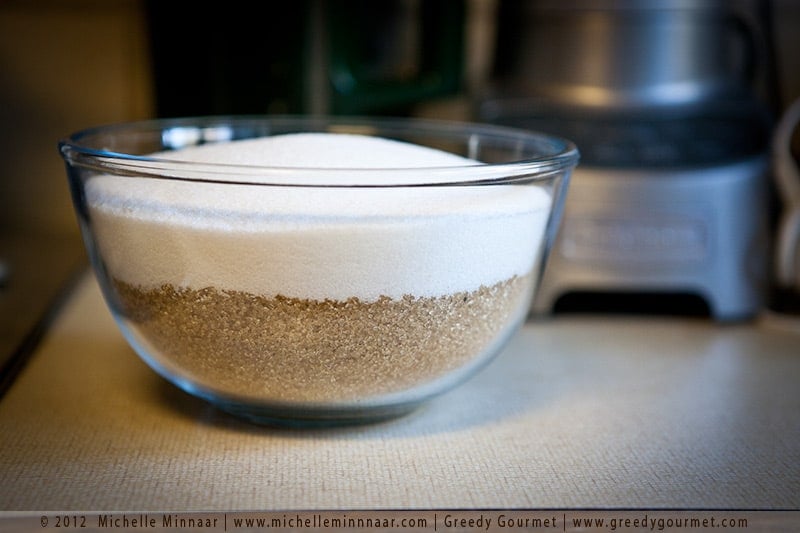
(317, 242)
(320, 150)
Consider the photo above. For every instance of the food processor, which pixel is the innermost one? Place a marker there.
(668, 209)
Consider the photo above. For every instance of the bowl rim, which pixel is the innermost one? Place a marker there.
(77, 151)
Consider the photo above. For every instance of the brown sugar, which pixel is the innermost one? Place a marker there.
(281, 349)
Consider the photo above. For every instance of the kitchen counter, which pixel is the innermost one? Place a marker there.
(577, 412)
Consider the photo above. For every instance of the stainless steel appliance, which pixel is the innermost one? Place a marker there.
(671, 196)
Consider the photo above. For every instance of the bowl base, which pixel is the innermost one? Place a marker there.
(309, 418)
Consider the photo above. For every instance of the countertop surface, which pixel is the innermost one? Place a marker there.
(576, 412)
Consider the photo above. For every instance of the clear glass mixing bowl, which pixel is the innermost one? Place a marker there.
(303, 294)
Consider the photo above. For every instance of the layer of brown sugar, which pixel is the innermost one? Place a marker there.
(296, 350)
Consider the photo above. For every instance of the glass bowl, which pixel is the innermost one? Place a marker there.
(309, 293)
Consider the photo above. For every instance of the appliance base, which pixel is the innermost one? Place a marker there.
(700, 230)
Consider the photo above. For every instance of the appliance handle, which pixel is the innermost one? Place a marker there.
(787, 178)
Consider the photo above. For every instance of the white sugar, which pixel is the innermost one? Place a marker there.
(320, 150)
(317, 243)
